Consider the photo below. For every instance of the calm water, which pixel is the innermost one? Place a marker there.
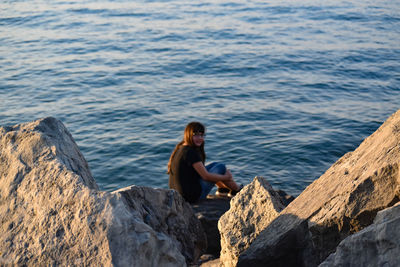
(284, 87)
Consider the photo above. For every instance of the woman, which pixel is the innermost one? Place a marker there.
(187, 173)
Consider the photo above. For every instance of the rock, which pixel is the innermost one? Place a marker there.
(252, 209)
(376, 245)
(343, 201)
(166, 212)
(212, 263)
(209, 211)
(285, 198)
(52, 213)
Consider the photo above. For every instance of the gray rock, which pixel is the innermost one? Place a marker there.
(252, 209)
(52, 213)
(212, 263)
(285, 198)
(209, 211)
(165, 211)
(341, 202)
(376, 245)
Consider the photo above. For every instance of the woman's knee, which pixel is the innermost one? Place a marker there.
(217, 167)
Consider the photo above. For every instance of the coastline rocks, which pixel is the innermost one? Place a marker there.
(252, 209)
(209, 211)
(341, 202)
(376, 245)
(52, 213)
(165, 211)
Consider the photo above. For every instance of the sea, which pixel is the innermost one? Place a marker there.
(285, 88)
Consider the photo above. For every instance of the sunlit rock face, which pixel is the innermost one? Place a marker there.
(251, 210)
(343, 201)
(52, 212)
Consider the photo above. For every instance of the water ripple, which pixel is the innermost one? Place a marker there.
(285, 88)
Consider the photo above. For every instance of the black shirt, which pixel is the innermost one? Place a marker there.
(183, 177)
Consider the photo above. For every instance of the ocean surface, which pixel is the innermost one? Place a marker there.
(285, 88)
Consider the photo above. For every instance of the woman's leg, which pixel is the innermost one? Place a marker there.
(205, 188)
(220, 168)
(216, 167)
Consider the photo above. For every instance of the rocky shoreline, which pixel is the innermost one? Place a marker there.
(52, 212)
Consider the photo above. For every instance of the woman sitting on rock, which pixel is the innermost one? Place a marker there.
(187, 173)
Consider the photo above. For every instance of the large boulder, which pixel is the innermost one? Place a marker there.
(376, 245)
(343, 201)
(166, 212)
(52, 212)
(252, 209)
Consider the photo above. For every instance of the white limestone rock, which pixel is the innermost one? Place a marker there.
(343, 201)
(165, 211)
(52, 213)
(251, 210)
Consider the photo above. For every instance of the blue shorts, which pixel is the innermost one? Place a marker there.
(206, 186)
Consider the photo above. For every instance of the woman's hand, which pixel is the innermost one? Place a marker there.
(228, 175)
(212, 177)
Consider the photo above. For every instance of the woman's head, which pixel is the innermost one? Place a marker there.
(194, 134)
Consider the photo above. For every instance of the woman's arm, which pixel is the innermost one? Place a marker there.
(211, 177)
